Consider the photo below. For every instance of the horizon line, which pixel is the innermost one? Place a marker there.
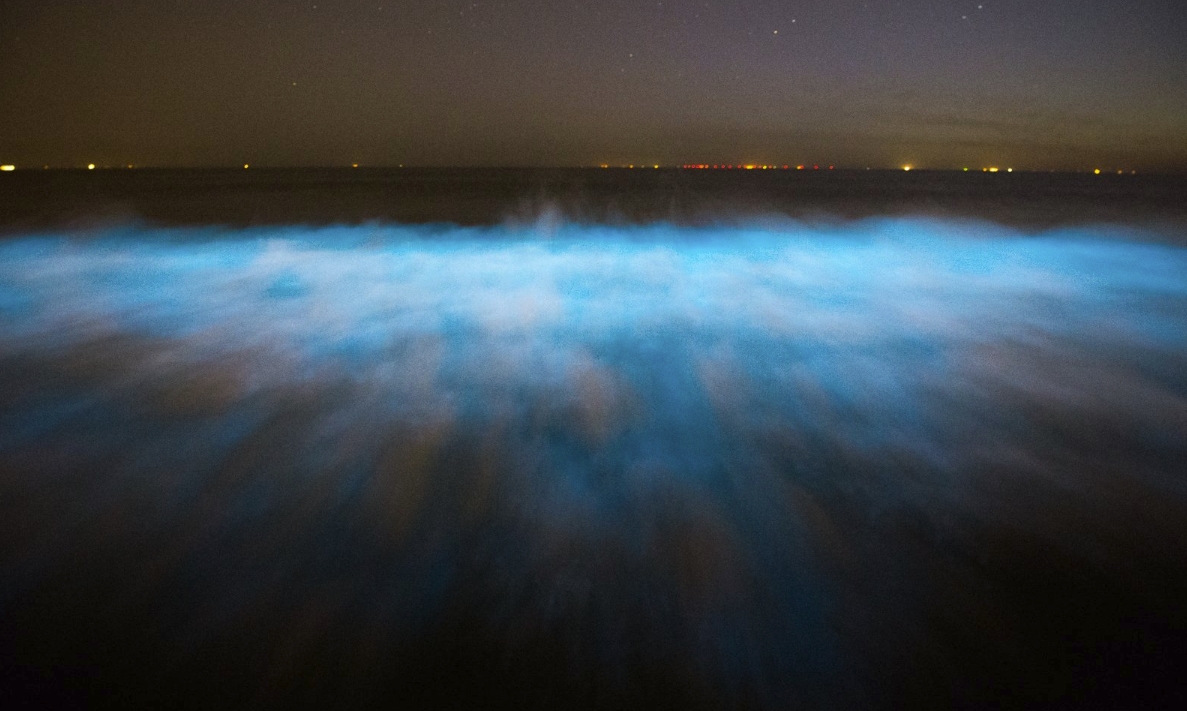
(719, 167)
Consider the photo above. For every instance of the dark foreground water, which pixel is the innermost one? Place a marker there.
(892, 462)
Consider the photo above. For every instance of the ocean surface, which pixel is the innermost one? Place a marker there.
(592, 439)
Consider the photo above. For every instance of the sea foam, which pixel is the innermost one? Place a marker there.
(765, 465)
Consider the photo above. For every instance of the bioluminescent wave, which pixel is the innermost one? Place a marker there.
(897, 461)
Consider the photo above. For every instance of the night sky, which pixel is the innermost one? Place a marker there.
(1057, 84)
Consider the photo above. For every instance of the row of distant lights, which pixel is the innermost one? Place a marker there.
(8, 168)
(724, 166)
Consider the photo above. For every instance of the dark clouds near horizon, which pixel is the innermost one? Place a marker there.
(935, 83)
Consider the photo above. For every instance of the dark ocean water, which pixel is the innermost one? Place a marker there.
(610, 439)
(37, 200)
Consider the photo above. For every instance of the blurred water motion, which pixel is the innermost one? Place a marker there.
(899, 462)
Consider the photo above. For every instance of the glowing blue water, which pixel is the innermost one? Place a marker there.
(703, 444)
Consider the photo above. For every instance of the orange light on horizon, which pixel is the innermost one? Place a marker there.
(1096, 172)
(91, 166)
(7, 168)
